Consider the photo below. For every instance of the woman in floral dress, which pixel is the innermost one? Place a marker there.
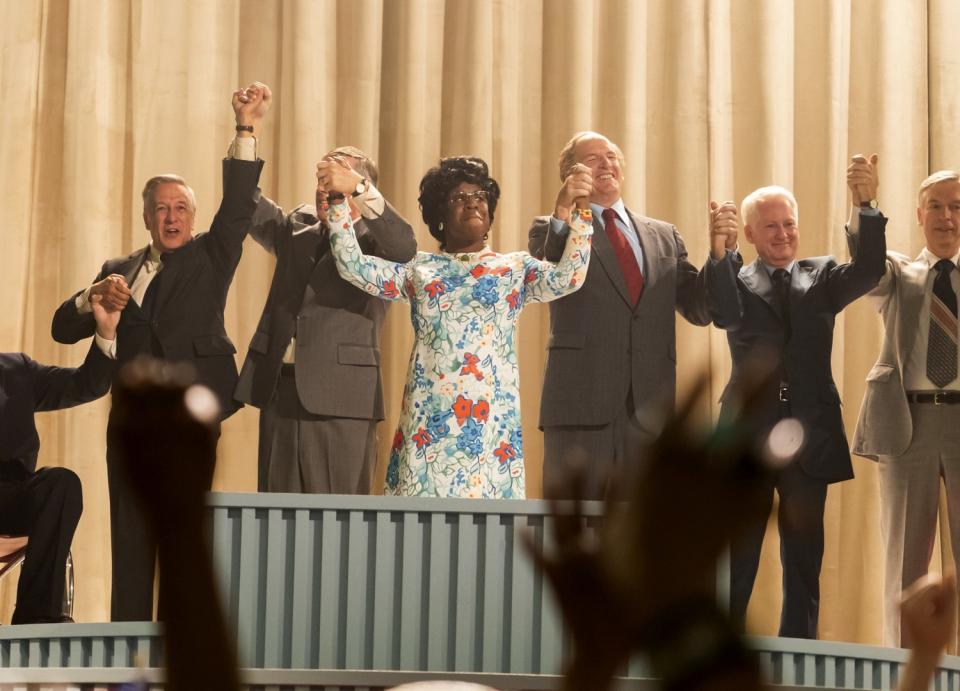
(459, 431)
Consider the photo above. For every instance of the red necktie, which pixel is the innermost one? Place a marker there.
(625, 255)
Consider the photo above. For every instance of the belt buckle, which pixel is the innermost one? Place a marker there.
(939, 397)
(784, 393)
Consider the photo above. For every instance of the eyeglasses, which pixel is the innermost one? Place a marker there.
(461, 198)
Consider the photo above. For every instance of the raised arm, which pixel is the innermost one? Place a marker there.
(374, 275)
(866, 236)
(547, 240)
(719, 275)
(544, 281)
(232, 221)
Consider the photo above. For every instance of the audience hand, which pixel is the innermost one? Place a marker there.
(724, 224)
(635, 585)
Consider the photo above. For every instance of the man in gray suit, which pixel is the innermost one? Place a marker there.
(313, 366)
(910, 417)
(611, 359)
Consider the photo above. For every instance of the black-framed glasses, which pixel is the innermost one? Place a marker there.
(461, 198)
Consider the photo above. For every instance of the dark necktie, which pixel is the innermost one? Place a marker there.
(625, 256)
(942, 340)
(781, 285)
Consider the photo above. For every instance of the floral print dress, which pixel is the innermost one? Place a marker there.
(459, 430)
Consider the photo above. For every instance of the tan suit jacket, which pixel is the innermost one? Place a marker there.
(885, 426)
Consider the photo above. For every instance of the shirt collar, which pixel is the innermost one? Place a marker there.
(153, 259)
(930, 258)
(771, 269)
(616, 206)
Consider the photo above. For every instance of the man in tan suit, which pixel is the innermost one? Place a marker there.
(910, 417)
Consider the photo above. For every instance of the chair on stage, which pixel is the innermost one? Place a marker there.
(13, 550)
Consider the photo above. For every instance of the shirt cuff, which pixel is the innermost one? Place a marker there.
(108, 348)
(557, 226)
(243, 149)
(83, 302)
(370, 202)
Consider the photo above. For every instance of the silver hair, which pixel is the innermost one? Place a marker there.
(150, 188)
(748, 207)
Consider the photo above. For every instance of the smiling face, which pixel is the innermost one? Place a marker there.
(939, 216)
(773, 228)
(170, 220)
(602, 158)
(467, 220)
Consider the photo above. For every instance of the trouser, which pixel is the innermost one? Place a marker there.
(303, 452)
(132, 543)
(602, 459)
(909, 504)
(46, 508)
(800, 521)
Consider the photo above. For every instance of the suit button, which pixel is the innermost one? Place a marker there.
(156, 325)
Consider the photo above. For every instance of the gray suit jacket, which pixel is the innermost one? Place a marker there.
(337, 326)
(601, 346)
(885, 426)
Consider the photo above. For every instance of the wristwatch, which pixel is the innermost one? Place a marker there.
(361, 187)
(869, 204)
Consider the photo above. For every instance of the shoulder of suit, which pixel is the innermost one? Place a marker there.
(136, 254)
(654, 224)
(817, 262)
(305, 214)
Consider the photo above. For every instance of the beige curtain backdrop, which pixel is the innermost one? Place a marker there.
(708, 99)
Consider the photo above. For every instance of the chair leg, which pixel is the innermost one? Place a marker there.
(68, 587)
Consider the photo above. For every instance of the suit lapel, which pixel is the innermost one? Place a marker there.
(130, 267)
(914, 283)
(756, 279)
(607, 256)
(651, 255)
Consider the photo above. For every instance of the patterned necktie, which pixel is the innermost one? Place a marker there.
(942, 341)
(625, 256)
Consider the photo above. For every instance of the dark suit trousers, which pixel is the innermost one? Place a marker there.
(315, 454)
(133, 547)
(800, 520)
(46, 508)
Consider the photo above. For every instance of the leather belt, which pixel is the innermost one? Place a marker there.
(784, 393)
(936, 397)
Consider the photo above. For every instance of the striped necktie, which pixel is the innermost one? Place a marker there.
(942, 341)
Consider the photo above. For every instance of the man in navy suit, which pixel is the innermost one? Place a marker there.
(45, 504)
(784, 309)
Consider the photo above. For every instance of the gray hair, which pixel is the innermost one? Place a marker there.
(748, 207)
(568, 155)
(935, 178)
(367, 167)
(151, 187)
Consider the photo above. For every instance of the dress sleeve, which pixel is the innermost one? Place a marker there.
(544, 281)
(374, 275)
